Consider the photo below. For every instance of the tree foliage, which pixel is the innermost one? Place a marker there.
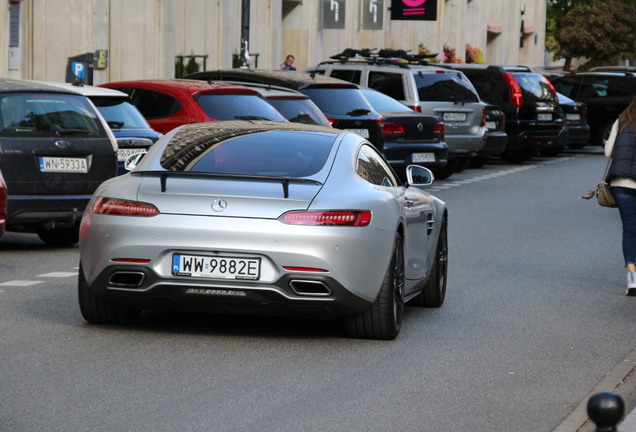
(603, 31)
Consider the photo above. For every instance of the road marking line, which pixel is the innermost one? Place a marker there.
(21, 283)
(58, 274)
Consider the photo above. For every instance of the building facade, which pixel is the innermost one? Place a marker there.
(138, 39)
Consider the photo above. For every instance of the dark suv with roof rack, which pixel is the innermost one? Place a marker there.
(423, 88)
(606, 95)
(534, 120)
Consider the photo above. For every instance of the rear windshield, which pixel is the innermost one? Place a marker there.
(382, 102)
(299, 111)
(534, 87)
(445, 87)
(338, 100)
(237, 107)
(48, 115)
(120, 114)
(269, 153)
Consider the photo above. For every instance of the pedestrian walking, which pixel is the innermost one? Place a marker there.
(621, 148)
(288, 64)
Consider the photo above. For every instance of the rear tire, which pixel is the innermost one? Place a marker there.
(383, 320)
(434, 292)
(448, 170)
(60, 236)
(98, 311)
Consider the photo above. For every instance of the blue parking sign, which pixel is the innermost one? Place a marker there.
(78, 69)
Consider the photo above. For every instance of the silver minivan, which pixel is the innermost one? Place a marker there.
(430, 90)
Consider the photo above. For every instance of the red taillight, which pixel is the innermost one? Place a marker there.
(439, 129)
(332, 122)
(132, 260)
(123, 207)
(483, 117)
(328, 217)
(416, 108)
(304, 269)
(516, 97)
(392, 129)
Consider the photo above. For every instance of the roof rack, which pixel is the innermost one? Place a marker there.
(384, 56)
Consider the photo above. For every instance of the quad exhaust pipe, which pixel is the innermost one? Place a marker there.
(126, 279)
(310, 288)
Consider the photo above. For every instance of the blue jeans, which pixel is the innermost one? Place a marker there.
(626, 201)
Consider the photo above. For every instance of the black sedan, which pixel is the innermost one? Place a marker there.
(409, 137)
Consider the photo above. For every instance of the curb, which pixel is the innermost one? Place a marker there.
(619, 380)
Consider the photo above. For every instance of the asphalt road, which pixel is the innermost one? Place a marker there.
(534, 317)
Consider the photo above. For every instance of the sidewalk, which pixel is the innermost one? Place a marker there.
(621, 380)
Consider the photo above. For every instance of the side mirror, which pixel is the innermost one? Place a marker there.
(419, 176)
(133, 160)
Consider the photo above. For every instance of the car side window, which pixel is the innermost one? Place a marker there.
(390, 84)
(620, 88)
(372, 168)
(350, 75)
(566, 86)
(594, 87)
(154, 105)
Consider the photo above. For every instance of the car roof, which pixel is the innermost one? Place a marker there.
(269, 90)
(480, 66)
(87, 90)
(9, 84)
(598, 73)
(613, 69)
(188, 86)
(290, 79)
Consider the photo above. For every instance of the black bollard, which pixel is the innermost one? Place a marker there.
(606, 410)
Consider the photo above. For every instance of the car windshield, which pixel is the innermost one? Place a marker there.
(248, 152)
(444, 87)
(534, 87)
(299, 111)
(382, 102)
(338, 100)
(119, 114)
(237, 107)
(47, 115)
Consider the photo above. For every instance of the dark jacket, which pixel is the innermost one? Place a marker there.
(624, 155)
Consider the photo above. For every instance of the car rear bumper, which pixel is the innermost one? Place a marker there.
(465, 144)
(535, 139)
(578, 134)
(401, 154)
(37, 210)
(300, 295)
(495, 144)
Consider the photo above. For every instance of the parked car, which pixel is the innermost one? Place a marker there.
(293, 105)
(341, 102)
(578, 130)
(409, 137)
(606, 95)
(238, 203)
(3, 206)
(534, 119)
(55, 149)
(426, 89)
(169, 103)
(496, 137)
(132, 131)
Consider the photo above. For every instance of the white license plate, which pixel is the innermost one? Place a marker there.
(544, 117)
(364, 133)
(491, 125)
(423, 157)
(216, 267)
(454, 116)
(125, 153)
(63, 164)
(573, 116)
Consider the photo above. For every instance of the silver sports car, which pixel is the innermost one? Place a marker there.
(264, 217)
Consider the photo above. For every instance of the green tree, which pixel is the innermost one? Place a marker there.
(590, 28)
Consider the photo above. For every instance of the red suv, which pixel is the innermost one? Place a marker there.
(170, 103)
